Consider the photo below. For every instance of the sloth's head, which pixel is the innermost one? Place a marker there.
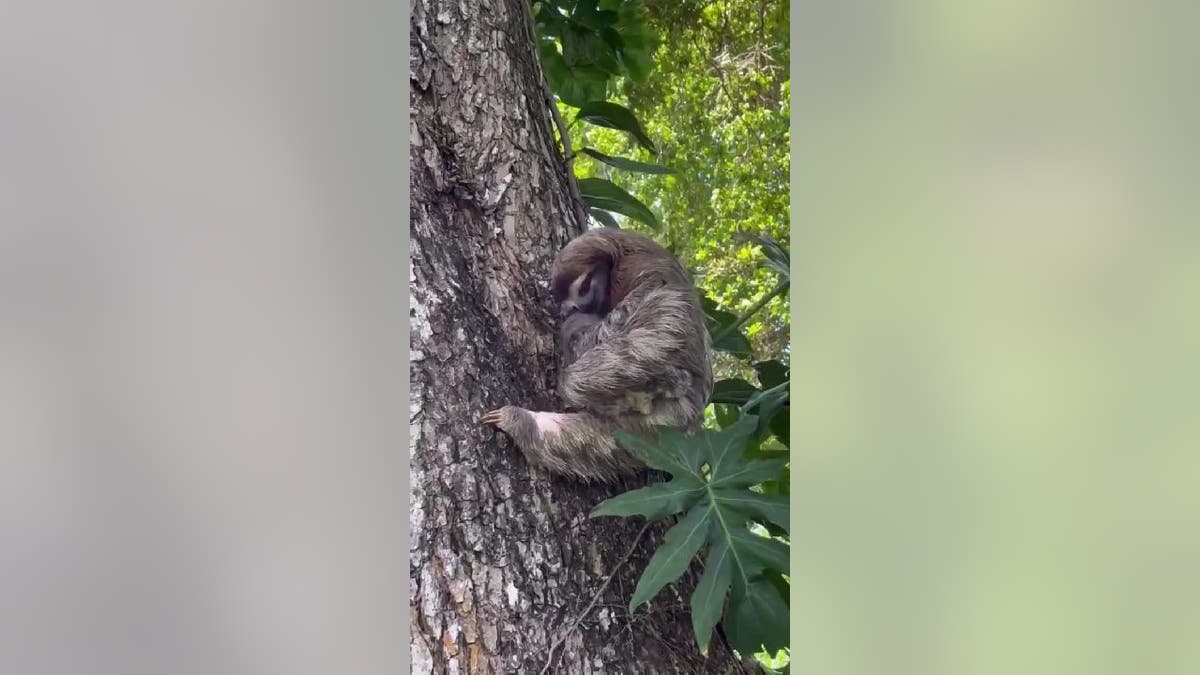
(597, 269)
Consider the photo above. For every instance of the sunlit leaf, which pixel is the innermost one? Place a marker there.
(614, 116)
(627, 164)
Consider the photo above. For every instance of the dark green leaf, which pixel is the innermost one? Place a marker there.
(747, 473)
(718, 320)
(675, 554)
(733, 343)
(655, 501)
(587, 13)
(771, 373)
(548, 21)
(723, 449)
(781, 425)
(575, 86)
(734, 390)
(758, 619)
(757, 553)
(671, 452)
(606, 219)
(628, 164)
(603, 194)
(781, 486)
(582, 46)
(708, 600)
(773, 508)
(614, 116)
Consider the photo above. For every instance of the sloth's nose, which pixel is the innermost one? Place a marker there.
(569, 307)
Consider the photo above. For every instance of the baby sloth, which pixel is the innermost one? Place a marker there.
(635, 353)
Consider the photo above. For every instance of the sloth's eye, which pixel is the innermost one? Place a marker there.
(586, 286)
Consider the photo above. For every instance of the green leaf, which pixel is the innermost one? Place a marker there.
(587, 13)
(708, 600)
(718, 320)
(614, 116)
(719, 508)
(604, 217)
(675, 554)
(640, 40)
(776, 257)
(726, 414)
(672, 452)
(771, 373)
(603, 194)
(758, 619)
(747, 473)
(654, 501)
(628, 164)
(575, 86)
(773, 508)
(723, 449)
(734, 390)
(781, 486)
(582, 46)
(733, 343)
(781, 425)
(757, 553)
(548, 22)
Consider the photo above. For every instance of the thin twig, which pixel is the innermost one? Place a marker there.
(564, 135)
(575, 624)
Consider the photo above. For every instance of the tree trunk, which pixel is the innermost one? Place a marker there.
(504, 556)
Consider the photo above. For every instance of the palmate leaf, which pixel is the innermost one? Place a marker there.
(718, 506)
(675, 554)
(604, 194)
(708, 600)
(758, 618)
(773, 508)
(655, 501)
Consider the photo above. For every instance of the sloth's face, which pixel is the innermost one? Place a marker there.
(588, 293)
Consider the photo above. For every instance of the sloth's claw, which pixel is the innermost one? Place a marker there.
(493, 417)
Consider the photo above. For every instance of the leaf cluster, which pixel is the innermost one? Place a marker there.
(710, 485)
(584, 46)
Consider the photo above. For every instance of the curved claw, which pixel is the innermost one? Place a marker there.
(492, 417)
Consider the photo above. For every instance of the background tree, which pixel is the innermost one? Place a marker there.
(505, 559)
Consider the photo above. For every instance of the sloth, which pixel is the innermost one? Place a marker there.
(634, 354)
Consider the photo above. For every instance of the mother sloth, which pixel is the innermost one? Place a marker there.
(635, 354)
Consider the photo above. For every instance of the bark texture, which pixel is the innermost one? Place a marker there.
(504, 556)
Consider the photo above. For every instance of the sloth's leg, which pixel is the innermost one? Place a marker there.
(577, 444)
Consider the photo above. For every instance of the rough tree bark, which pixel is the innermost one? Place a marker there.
(504, 557)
